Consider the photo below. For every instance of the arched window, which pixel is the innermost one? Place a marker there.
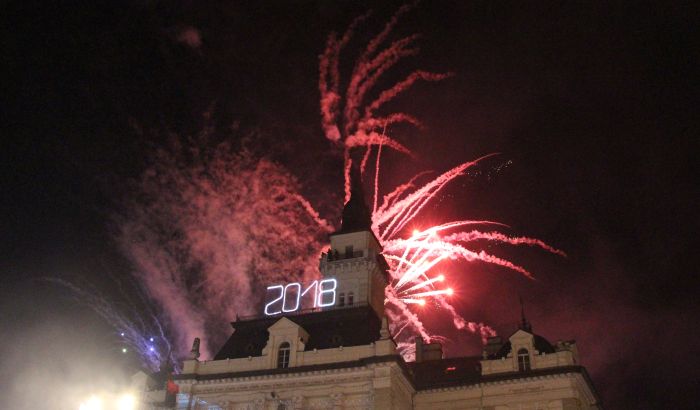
(351, 298)
(283, 356)
(523, 360)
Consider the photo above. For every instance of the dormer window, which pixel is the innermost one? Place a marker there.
(523, 360)
(283, 355)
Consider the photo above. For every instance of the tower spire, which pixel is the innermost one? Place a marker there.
(356, 215)
(524, 324)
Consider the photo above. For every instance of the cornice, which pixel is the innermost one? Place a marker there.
(508, 378)
(342, 370)
(265, 374)
(223, 386)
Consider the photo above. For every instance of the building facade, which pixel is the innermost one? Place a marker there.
(339, 354)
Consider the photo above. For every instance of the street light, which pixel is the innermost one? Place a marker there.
(93, 403)
(126, 402)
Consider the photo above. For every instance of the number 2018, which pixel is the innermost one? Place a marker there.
(292, 294)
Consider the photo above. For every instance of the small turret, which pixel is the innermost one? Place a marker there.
(524, 324)
(194, 353)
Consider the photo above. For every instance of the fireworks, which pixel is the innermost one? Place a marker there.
(154, 352)
(359, 124)
(411, 260)
(207, 224)
(206, 231)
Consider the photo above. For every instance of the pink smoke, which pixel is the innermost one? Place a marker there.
(207, 228)
(351, 122)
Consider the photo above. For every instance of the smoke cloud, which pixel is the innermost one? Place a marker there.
(207, 227)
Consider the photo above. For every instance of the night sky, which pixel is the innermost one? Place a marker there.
(593, 107)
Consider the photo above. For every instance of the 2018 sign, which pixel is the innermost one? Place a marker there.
(291, 297)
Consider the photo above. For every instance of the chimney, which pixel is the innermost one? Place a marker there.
(429, 351)
(419, 349)
(493, 345)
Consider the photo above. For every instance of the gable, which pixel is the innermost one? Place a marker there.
(520, 335)
(282, 325)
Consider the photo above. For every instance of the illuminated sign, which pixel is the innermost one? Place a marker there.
(292, 296)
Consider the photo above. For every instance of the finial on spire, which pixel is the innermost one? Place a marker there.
(524, 324)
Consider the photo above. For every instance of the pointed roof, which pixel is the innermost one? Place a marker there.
(356, 215)
(524, 324)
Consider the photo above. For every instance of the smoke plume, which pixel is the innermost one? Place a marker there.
(206, 227)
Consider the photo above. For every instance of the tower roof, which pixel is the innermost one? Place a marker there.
(356, 215)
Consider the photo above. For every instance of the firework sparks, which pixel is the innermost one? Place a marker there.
(414, 301)
(412, 259)
(341, 117)
(139, 332)
(208, 223)
(356, 125)
(424, 284)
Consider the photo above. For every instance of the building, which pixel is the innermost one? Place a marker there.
(338, 354)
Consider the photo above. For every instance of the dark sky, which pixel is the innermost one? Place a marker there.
(595, 105)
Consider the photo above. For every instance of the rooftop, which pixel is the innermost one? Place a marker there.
(327, 329)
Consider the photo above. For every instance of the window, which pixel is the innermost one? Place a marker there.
(341, 299)
(348, 252)
(523, 360)
(283, 356)
(351, 298)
